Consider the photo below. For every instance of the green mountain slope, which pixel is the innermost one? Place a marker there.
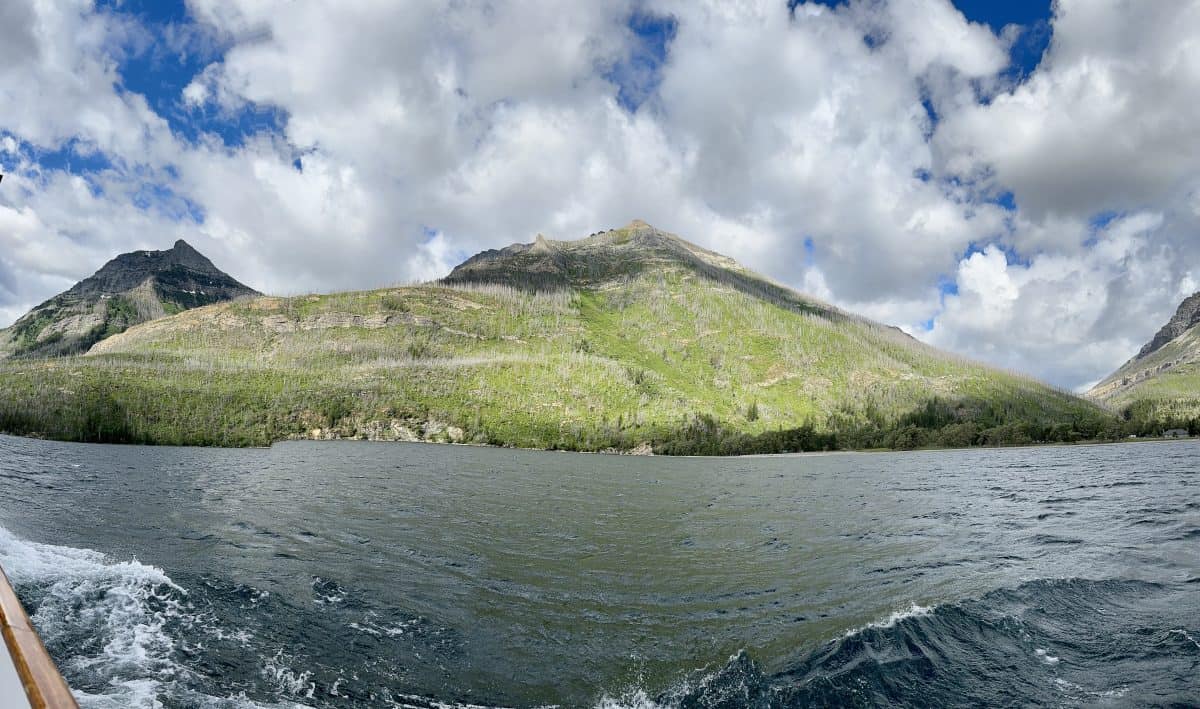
(132, 288)
(1162, 382)
(627, 339)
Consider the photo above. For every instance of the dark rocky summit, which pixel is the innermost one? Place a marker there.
(130, 289)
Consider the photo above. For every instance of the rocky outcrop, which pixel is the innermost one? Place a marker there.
(1186, 316)
(130, 289)
(326, 321)
(388, 430)
(1174, 348)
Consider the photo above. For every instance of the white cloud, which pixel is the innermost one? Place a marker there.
(1066, 315)
(196, 93)
(426, 131)
(1107, 125)
(932, 32)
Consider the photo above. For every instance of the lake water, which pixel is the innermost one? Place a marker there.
(357, 574)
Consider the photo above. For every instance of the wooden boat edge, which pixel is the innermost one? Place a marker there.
(44, 685)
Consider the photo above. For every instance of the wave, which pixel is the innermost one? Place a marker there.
(1045, 642)
(128, 635)
(914, 610)
(122, 630)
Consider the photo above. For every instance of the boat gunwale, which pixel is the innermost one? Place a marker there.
(44, 685)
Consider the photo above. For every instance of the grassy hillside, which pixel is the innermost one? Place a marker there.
(1159, 388)
(644, 346)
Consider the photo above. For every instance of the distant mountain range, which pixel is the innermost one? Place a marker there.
(132, 288)
(629, 339)
(1162, 381)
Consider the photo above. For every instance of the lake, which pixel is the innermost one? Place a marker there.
(345, 574)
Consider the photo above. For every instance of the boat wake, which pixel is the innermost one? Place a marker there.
(127, 635)
(122, 632)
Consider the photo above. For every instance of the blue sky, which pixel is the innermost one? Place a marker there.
(889, 156)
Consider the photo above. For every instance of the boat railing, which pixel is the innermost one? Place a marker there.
(42, 683)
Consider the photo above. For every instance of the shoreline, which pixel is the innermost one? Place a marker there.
(620, 454)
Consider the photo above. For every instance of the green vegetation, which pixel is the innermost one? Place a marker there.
(671, 359)
(1158, 390)
(119, 315)
(629, 339)
(29, 337)
(1169, 400)
(26, 332)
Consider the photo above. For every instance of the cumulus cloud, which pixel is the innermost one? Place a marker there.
(1059, 313)
(861, 152)
(1105, 128)
(1107, 123)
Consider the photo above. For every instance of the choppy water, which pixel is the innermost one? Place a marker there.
(351, 574)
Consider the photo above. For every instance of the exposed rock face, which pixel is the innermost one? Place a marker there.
(132, 288)
(1174, 349)
(1186, 316)
(388, 430)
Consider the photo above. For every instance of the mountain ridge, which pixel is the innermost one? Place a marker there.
(546, 263)
(129, 289)
(621, 253)
(1186, 316)
(628, 339)
(1161, 383)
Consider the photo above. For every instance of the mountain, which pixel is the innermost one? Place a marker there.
(621, 256)
(131, 289)
(630, 339)
(1162, 381)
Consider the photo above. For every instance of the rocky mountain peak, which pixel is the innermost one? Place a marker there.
(1163, 363)
(1186, 316)
(130, 270)
(541, 244)
(597, 258)
(184, 250)
(130, 289)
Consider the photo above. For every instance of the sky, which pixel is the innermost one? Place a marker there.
(1016, 182)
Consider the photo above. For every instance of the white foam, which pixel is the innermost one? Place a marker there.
(133, 693)
(82, 590)
(1046, 656)
(337, 595)
(1186, 634)
(378, 630)
(298, 684)
(1065, 685)
(914, 610)
(412, 701)
(126, 605)
(635, 699)
(1078, 692)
